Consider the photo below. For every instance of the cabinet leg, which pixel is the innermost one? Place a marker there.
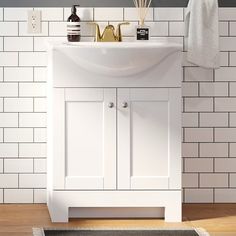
(173, 212)
(59, 213)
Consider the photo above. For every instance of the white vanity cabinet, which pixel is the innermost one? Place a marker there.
(116, 138)
(113, 145)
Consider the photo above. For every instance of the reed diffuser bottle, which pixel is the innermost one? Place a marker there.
(142, 31)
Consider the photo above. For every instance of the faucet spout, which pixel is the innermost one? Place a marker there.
(109, 34)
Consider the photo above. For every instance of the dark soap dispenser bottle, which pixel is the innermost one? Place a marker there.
(73, 26)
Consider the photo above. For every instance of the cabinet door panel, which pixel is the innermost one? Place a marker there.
(89, 160)
(149, 132)
(151, 120)
(84, 139)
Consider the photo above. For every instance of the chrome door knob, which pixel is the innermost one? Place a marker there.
(125, 104)
(111, 105)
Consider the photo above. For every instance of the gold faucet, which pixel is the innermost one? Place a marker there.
(109, 34)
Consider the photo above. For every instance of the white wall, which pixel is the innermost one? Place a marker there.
(209, 102)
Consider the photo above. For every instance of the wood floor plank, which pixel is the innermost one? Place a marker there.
(218, 219)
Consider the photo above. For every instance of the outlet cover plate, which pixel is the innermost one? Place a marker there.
(34, 22)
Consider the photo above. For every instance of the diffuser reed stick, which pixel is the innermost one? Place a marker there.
(142, 7)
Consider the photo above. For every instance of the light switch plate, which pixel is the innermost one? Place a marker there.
(34, 22)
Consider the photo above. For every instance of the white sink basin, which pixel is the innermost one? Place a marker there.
(117, 59)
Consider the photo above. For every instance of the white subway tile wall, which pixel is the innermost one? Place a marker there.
(209, 101)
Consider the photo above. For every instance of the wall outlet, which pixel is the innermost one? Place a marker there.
(34, 22)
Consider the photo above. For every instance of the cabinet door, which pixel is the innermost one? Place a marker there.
(149, 138)
(85, 139)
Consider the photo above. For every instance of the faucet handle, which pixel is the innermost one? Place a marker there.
(92, 23)
(118, 31)
(98, 33)
(124, 23)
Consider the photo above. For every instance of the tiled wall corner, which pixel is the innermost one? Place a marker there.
(209, 101)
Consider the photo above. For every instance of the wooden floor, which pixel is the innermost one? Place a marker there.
(218, 220)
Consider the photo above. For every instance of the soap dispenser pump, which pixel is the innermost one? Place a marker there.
(73, 26)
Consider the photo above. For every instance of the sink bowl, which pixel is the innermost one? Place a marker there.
(117, 59)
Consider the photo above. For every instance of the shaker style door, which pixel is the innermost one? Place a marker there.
(149, 138)
(85, 139)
